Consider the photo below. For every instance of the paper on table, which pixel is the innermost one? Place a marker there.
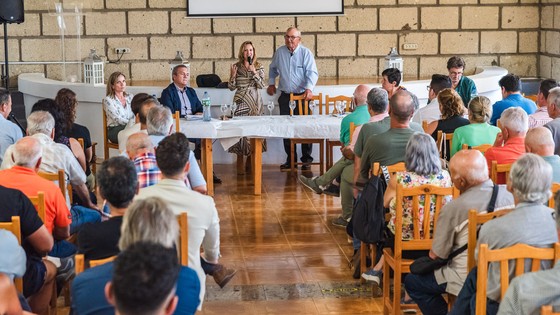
(194, 117)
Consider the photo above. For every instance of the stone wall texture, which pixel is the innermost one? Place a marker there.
(521, 35)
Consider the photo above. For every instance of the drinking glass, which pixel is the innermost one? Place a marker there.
(292, 107)
(270, 107)
(342, 108)
(311, 106)
(224, 108)
(233, 108)
(337, 106)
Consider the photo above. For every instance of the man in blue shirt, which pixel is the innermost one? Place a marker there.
(296, 67)
(10, 133)
(511, 94)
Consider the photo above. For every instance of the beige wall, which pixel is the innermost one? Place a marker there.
(509, 32)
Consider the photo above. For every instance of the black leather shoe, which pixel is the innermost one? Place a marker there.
(286, 167)
(216, 179)
(306, 167)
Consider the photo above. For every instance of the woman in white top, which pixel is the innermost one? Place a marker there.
(117, 106)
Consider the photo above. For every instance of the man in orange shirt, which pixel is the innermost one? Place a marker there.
(22, 176)
(510, 143)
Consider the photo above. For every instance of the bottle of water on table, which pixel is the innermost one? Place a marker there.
(206, 116)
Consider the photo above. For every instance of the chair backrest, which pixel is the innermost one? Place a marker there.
(352, 129)
(14, 226)
(392, 169)
(448, 139)
(80, 263)
(183, 239)
(518, 253)
(419, 241)
(476, 219)
(59, 177)
(482, 148)
(332, 100)
(39, 203)
(497, 169)
(424, 125)
(300, 101)
(547, 310)
(554, 189)
(81, 142)
(176, 117)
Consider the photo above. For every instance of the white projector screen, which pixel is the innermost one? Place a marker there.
(227, 8)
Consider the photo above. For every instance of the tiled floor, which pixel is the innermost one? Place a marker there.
(289, 258)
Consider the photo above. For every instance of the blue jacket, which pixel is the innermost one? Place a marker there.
(170, 98)
(513, 100)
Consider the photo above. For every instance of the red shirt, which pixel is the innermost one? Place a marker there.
(28, 182)
(509, 153)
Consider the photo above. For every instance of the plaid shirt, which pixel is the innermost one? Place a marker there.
(147, 169)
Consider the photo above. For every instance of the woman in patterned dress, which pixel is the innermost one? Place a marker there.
(246, 77)
(117, 106)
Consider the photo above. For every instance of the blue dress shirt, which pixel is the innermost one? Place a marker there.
(297, 70)
(513, 100)
(10, 133)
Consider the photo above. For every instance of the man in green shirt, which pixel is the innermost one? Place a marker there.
(462, 85)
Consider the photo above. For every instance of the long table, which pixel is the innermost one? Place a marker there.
(229, 132)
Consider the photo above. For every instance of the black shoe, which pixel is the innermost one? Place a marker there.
(216, 179)
(332, 190)
(306, 167)
(286, 167)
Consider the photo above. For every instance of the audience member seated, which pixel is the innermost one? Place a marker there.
(140, 150)
(554, 113)
(529, 223)
(117, 184)
(479, 131)
(204, 227)
(423, 167)
(160, 124)
(360, 115)
(9, 132)
(462, 85)
(391, 78)
(511, 94)
(141, 105)
(541, 117)
(470, 177)
(67, 103)
(56, 156)
(39, 273)
(117, 106)
(27, 155)
(528, 292)
(510, 143)
(431, 112)
(11, 266)
(539, 141)
(149, 220)
(452, 112)
(9, 300)
(144, 280)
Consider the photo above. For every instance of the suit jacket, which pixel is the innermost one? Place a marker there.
(170, 98)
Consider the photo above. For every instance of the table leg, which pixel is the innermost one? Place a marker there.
(207, 165)
(256, 163)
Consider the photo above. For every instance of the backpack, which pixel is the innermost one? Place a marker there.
(368, 215)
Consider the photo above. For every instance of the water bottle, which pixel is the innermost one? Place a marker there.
(206, 116)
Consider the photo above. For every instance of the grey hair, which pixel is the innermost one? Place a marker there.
(422, 156)
(150, 220)
(531, 178)
(378, 100)
(4, 96)
(159, 121)
(415, 101)
(554, 97)
(27, 152)
(515, 119)
(40, 122)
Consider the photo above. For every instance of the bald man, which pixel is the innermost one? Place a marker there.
(539, 141)
(469, 174)
(140, 150)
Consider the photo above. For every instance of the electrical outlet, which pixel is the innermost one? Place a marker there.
(410, 46)
(119, 51)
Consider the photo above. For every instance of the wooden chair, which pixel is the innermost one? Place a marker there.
(106, 143)
(14, 226)
(183, 246)
(448, 139)
(93, 163)
(303, 110)
(425, 125)
(475, 220)
(499, 169)
(39, 203)
(554, 189)
(482, 148)
(59, 177)
(176, 119)
(333, 143)
(79, 260)
(333, 99)
(547, 310)
(393, 258)
(519, 253)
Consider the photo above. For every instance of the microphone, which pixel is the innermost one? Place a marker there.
(250, 60)
(14, 119)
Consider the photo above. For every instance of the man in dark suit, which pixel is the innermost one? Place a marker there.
(179, 97)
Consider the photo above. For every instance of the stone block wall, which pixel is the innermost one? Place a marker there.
(520, 35)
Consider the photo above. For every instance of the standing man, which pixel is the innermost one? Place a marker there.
(296, 67)
(462, 85)
(9, 132)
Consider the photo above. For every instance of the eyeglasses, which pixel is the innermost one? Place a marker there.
(455, 73)
(428, 88)
(291, 37)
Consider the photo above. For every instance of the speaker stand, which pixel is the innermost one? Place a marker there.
(6, 73)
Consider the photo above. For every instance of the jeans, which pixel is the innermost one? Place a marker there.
(82, 215)
(466, 300)
(306, 149)
(62, 249)
(425, 291)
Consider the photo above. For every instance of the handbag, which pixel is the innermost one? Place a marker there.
(426, 265)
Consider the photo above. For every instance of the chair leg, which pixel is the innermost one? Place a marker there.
(363, 267)
(321, 157)
(106, 149)
(397, 290)
(386, 287)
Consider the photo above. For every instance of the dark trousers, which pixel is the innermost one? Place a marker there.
(306, 149)
(466, 300)
(425, 291)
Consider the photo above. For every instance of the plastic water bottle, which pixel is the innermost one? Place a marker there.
(206, 116)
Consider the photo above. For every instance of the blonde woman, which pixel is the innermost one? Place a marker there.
(117, 106)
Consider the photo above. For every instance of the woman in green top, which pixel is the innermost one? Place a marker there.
(478, 131)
